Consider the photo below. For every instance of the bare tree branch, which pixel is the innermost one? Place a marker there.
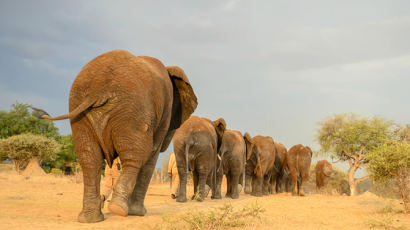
(361, 179)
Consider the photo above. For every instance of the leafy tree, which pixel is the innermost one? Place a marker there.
(19, 120)
(66, 158)
(392, 161)
(403, 132)
(348, 137)
(21, 148)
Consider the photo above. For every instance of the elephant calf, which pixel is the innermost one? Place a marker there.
(232, 164)
(323, 172)
(298, 160)
(196, 144)
(260, 155)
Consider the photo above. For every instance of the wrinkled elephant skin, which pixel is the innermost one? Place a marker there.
(196, 144)
(323, 171)
(298, 160)
(126, 106)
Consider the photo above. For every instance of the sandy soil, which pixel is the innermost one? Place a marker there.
(53, 202)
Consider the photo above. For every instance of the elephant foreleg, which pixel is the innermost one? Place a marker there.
(228, 185)
(257, 186)
(248, 184)
(266, 185)
(294, 178)
(136, 200)
(133, 156)
(218, 185)
(234, 187)
(202, 182)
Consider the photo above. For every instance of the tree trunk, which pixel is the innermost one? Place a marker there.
(17, 165)
(352, 184)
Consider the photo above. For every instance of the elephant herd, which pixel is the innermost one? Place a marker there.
(121, 105)
(209, 150)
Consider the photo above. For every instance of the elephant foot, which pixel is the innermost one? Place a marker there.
(248, 190)
(294, 194)
(216, 197)
(207, 189)
(181, 199)
(235, 196)
(228, 195)
(301, 193)
(118, 209)
(199, 199)
(137, 210)
(90, 217)
(239, 188)
(257, 194)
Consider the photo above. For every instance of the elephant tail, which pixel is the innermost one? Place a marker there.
(81, 108)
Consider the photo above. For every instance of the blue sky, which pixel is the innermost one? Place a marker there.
(273, 68)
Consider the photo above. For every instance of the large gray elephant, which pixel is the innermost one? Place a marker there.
(196, 144)
(232, 154)
(298, 161)
(126, 106)
(260, 155)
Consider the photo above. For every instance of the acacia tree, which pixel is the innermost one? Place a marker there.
(21, 148)
(392, 161)
(348, 137)
(403, 132)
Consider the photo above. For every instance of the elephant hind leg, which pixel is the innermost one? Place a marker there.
(134, 150)
(90, 158)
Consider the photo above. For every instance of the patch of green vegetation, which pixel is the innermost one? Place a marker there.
(217, 218)
(387, 221)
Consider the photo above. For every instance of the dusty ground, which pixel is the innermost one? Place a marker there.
(52, 202)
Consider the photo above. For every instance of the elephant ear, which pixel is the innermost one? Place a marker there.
(220, 126)
(249, 145)
(310, 150)
(184, 102)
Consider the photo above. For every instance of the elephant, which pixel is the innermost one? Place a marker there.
(127, 106)
(260, 158)
(232, 164)
(196, 144)
(278, 170)
(298, 161)
(323, 172)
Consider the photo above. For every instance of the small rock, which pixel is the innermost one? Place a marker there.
(60, 193)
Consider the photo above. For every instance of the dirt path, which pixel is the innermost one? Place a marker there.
(50, 202)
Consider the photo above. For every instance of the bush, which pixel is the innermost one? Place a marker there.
(390, 162)
(218, 218)
(21, 148)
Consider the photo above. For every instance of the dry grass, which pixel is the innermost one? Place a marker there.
(53, 202)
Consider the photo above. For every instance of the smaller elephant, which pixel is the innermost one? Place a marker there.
(232, 164)
(278, 170)
(323, 172)
(298, 161)
(196, 144)
(260, 158)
